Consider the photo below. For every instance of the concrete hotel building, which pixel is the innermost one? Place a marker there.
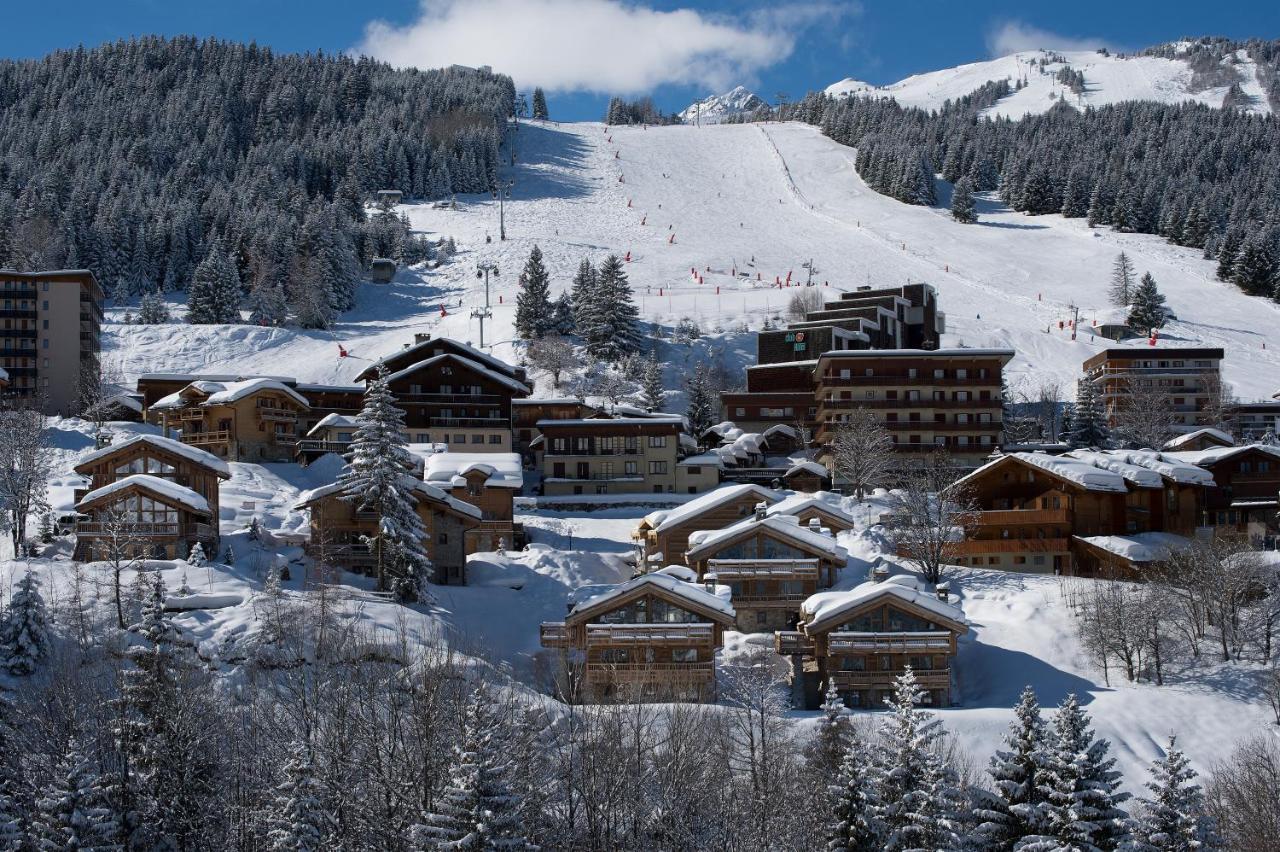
(50, 332)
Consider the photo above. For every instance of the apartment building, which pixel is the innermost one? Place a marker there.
(1254, 421)
(253, 420)
(525, 414)
(928, 400)
(618, 455)
(1190, 377)
(50, 335)
(776, 394)
(488, 481)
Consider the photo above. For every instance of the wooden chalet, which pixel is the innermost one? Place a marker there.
(863, 639)
(339, 525)
(663, 536)
(525, 414)
(771, 565)
(1133, 556)
(1247, 486)
(169, 503)
(333, 434)
(252, 420)
(1201, 439)
(488, 481)
(653, 638)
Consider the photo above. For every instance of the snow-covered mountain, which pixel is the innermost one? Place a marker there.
(717, 108)
(1107, 79)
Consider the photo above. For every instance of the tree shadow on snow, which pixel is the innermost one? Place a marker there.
(550, 163)
(991, 676)
(1012, 226)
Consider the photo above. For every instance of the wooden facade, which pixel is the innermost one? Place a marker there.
(867, 638)
(622, 455)
(653, 638)
(144, 516)
(255, 420)
(1247, 487)
(525, 414)
(490, 482)
(662, 537)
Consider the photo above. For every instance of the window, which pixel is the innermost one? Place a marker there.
(582, 445)
(912, 373)
(695, 470)
(657, 467)
(740, 412)
(657, 440)
(762, 617)
(442, 538)
(459, 439)
(684, 655)
(939, 374)
(962, 374)
(495, 439)
(631, 468)
(606, 470)
(844, 374)
(477, 439)
(559, 445)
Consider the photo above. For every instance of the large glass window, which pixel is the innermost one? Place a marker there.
(155, 467)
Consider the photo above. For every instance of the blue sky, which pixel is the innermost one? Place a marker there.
(581, 50)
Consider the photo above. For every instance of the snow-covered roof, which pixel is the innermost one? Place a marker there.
(798, 504)
(1213, 455)
(666, 419)
(1078, 472)
(1207, 432)
(781, 429)
(807, 467)
(824, 607)
(222, 393)
(472, 354)
(473, 365)
(694, 593)
(162, 488)
(1139, 547)
(917, 353)
(712, 499)
(548, 400)
(419, 487)
(448, 469)
(1139, 475)
(782, 526)
(195, 455)
(340, 421)
(710, 459)
(125, 400)
(1178, 471)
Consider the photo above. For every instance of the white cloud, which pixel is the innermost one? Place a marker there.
(1015, 36)
(596, 45)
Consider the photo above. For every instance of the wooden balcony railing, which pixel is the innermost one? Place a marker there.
(191, 414)
(606, 635)
(908, 382)
(925, 678)
(699, 672)
(980, 547)
(792, 642)
(763, 569)
(778, 601)
(267, 413)
(1017, 517)
(311, 445)
(888, 643)
(97, 529)
(554, 634)
(471, 422)
(220, 436)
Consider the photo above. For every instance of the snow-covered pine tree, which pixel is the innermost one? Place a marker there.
(584, 295)
(1088, 420)
(612, 330)
(1080, 789)
(562, 315)
(1174, 819)
(16, 803)
(214, 295)
(826, 749)
(539, 103)
(24, 635)
(1146, 311)
(1255, 266)
(152, 310)
(74, 811)
(1122, 281)
(702, 403)
(267, 304)
(534, 316)
(1228, 250)
(1013, 810)
(300, 819)
(918, 798)
(651, 387)
(854, 825)
(196, 557)
(963, 207)
(377, 479)
(479, 809)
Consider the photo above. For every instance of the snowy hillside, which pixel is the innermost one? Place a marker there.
(758, 201)
(1108, 79)
(717, 108)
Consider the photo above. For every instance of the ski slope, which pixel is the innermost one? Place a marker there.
(1108, 80)
(755, 200)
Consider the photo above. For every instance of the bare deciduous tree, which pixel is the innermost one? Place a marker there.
(1145, 416)
(862, 451)
(1243, 798)
(552, 354)
(803, 302)
(933, 512)
(25, 466)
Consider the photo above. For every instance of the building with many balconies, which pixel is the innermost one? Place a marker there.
(50, 336)
(252, 420)
(1189, 377)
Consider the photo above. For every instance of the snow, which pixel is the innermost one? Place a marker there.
(472, 354)
(825, 607)
(1081, 473)
(1108, 80)
(807, 467)
(1165, 466)
(222, 393)
(1139, 547)
(706, 502)
(797, 504)
(701, 459)
(333, 419)
(716, 108)
(784, 526)
(1139, 475)
(163, 488)
(1190, 437)
(169, 445)
(692, 592)
(431, 492)
(446, 470)
(493, 375)
(615, 421)
(1213, 455)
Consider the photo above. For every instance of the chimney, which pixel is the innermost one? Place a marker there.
(880, 572)
(761, 508)
(815, 525)
(943, 590)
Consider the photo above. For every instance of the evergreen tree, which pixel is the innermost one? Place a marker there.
(854, 826)
(214, 295)
(1080, 788)
(1255, 267)
(152, 310)
(534, 314)
(1228, 250)
(1088, 421)
(584, 294)
(562, 315)
(15, 793)
(651, 388)
(479, 809)
(1174, 819)
(539, 104)
(963, 208)
(1122, 283)
(377, 479)
(702, 403)
(825, 752)
(1146, 312)
(301, 820)
(612, 323)
(1014, 810)
(267, 304)
(74, 811)
(24, 636)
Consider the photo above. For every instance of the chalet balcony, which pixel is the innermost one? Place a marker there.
(1018, 517)
(311, 445)
(778, 601)
(450, 398)
(198, 439)
(96, 529)
(644, 673)
(624, 635)
(792, 642)
(888, 643)
(553, 634)
(277, 414)
(905, 381)
(471, 422)
(763, 569)
(993, 546)
(926, 679)
(890, 404)
(18, 313)
(342, 555)
(191, 414)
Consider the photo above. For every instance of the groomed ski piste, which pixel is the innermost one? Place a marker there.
(758, 201)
